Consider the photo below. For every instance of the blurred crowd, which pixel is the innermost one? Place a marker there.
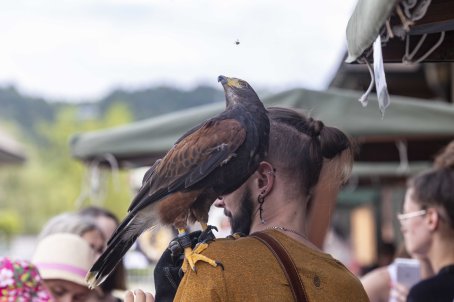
(67, 247)
(427, 225)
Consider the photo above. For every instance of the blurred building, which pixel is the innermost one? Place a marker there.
(416, 43)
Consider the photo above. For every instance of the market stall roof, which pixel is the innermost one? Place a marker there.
(406, 19)
(422, 126)
(10, 150)
(364, 25)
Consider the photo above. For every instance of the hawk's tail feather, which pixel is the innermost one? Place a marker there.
(120, 229)
(125, 236)
(108, 261)
(139, 202)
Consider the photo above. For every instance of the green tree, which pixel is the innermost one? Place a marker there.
(50, 182)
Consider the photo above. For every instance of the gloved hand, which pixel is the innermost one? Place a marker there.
(168, 273)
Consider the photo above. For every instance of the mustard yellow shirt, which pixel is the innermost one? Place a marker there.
(252, 273)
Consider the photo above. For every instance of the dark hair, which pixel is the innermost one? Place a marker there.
(301, 144)
(435, 188)
(95, 212)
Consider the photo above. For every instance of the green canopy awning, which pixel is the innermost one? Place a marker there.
(10, 150)
(386, 169)
(396, 21)
(364, 25)
(142, 142)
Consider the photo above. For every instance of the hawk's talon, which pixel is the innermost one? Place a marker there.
(180, 272)
(236, 235)
(192, 256)
(220, 264)
(212, 227)
(207, 234)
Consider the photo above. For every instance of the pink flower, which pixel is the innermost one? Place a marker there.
(6, 277)
(20, 282)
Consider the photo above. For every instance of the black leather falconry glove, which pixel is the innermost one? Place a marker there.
(168, 273)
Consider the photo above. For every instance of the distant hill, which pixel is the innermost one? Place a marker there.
(28, 112)
(159, 100)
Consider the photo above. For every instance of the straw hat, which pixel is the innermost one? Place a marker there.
(64, 256)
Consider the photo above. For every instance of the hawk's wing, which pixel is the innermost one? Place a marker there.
(193, 158)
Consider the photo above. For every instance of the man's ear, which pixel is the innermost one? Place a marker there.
(265, 178)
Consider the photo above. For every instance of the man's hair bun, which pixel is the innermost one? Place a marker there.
(315, 127)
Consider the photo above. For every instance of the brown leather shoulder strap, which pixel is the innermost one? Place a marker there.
(287, 264)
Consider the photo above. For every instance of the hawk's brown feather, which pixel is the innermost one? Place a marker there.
(195, 157)
(210, 160)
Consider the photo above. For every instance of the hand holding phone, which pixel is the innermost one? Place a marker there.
(404, 274)
(407, 271)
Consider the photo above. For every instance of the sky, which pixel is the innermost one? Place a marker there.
(79, 50)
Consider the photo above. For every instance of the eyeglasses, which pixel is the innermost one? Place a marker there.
(403, 217)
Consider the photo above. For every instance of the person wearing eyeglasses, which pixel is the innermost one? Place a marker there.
(427, 223)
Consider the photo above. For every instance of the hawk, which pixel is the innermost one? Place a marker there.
(212, 159)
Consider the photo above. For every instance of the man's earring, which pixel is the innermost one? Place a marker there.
(261, 200)
(271, 172)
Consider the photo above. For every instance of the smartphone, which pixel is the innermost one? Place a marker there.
(407, 271)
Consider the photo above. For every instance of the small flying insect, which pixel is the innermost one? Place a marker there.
(237, 42)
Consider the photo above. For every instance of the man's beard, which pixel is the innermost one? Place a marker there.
(242, 221)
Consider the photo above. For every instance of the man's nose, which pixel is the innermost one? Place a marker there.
(219, 202)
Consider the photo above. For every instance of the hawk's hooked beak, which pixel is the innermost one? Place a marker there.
(232, 82)
(222, 79)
